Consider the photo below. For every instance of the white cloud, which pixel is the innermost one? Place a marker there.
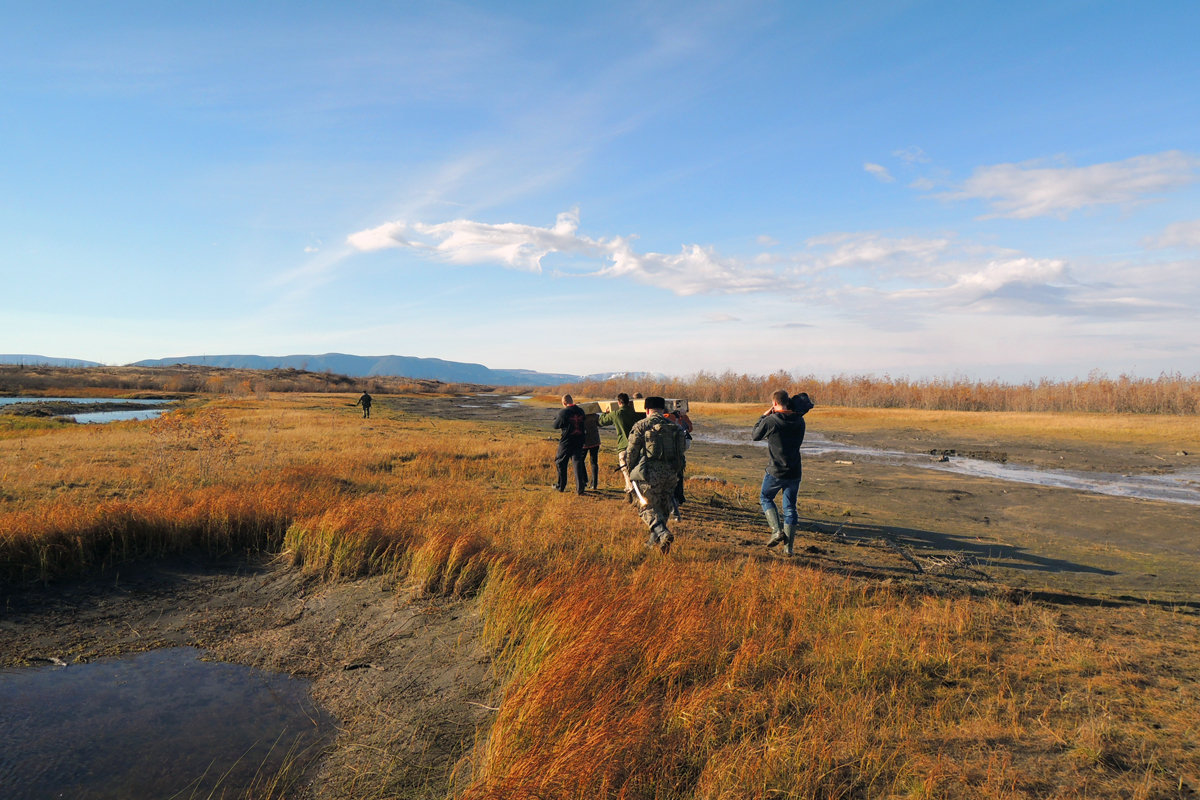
(512, 244)
(1017, 271)
(1029, 189)
(912, 155)
(466, 242)
(879, 171)
(882, 281)
(848, 250)
(694, 270)
(1178, 234)
(767, 241)
(389, 234)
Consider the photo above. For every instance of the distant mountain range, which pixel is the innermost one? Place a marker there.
(46, 361)
(369, 366)
(435, 369)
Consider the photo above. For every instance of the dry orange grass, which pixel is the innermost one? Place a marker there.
(627, 674)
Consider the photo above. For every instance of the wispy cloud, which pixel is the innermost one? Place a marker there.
(879, 171)
(911, 155)
(464, 241)
(694, 270)
(855, 250)
(1033, 189)
(1179, 234)
(882, 280)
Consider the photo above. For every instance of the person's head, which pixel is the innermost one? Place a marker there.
(655, 405)
(637, 395)
(568, 400)
(622, 399)
(779, 401)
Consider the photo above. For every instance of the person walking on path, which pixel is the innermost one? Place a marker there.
(783, 430)
(656, 462)
(570, 421)
(591, 445)
(623, 418)
(365, 402)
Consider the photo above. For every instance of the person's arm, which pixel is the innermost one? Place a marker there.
(606, 419)
(763, 427)
(637, 444)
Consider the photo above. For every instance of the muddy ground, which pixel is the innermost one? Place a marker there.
(418, 665)
(1055, 543)
(407, 680)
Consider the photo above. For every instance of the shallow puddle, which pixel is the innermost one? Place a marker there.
(157, 725)
(1179, 487)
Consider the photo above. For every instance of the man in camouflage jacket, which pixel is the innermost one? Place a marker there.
(656, 462)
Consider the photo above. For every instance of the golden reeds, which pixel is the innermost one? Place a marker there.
(1166, 394)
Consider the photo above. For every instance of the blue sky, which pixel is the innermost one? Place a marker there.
(990, 190)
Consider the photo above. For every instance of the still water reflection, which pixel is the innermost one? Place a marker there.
(89, 417)
(152, 725)
(1178, 487)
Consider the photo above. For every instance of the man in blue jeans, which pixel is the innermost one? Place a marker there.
(783, 429)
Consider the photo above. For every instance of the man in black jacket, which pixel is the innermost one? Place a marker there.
(783, 429)
(570, 421)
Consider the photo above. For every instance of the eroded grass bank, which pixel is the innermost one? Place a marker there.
(626, 674)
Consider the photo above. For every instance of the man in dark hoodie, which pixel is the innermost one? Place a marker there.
(783, 429)
(571, 424)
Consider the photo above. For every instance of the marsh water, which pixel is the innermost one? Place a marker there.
(1177, 487)
(1182, 486)
(160, 724)
(92, 417)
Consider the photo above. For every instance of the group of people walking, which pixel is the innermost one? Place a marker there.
(651, 448)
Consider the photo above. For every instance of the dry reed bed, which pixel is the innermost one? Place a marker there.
(1166, 394)
(626, 674)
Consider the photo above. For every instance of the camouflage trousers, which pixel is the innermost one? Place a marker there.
(658, 490)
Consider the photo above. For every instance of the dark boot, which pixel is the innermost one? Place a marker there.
(789, 531)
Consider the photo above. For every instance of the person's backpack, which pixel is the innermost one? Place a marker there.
(664, 442)
(801, 403)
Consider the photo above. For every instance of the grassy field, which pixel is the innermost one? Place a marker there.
(709, 673)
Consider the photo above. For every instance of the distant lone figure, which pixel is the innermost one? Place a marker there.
(365, 402)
